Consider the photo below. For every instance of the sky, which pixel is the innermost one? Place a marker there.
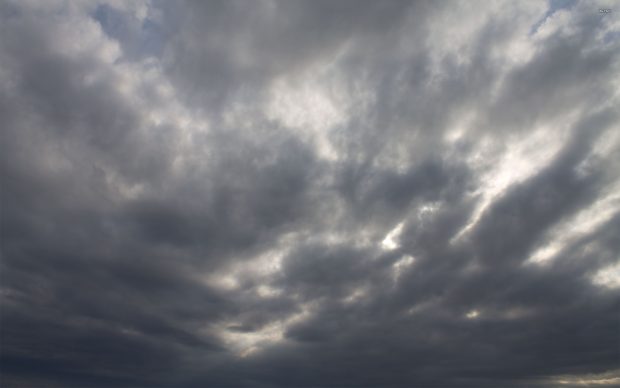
(297, 193)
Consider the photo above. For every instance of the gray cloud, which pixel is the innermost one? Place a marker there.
(298, 193)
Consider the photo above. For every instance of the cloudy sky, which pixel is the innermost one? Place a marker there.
(301, 193)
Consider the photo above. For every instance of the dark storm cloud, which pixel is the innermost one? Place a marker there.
(308, 194)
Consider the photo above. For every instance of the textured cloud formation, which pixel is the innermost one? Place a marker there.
(309, 193)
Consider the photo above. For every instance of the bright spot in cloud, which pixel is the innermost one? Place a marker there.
(611, 378)
(391, 241)
(355, 296)
(426, 211)
(311, 109)
(245, 344)
(583, 223)
(225, 282)
(473, 314)
(401, 265)
(516, 163)
(608, 277)
(260, 269)
(268, 292)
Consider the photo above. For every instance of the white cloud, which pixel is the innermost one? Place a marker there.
(585, 222)
(608, 277)
(391, 240)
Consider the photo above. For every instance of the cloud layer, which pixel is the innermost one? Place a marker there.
(309, 193)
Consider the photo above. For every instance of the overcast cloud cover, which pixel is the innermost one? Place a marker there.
(309, 193)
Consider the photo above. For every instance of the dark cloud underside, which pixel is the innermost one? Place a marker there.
(309, 193)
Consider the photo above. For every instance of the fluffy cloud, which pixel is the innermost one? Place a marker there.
(309, 193)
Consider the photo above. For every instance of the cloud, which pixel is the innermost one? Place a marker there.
(296, 193)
